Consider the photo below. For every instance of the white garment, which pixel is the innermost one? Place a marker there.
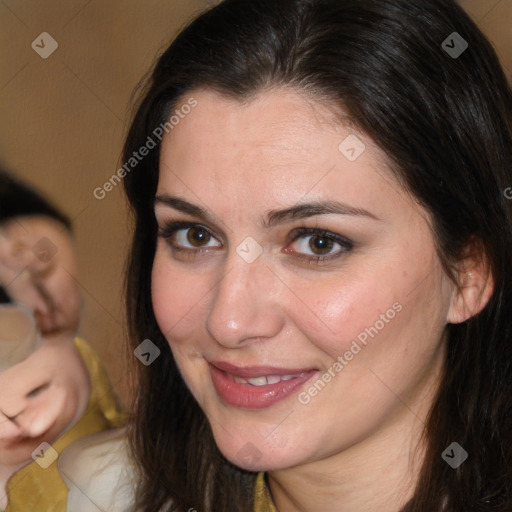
(99, 473)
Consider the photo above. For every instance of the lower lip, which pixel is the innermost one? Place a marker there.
(254, 397)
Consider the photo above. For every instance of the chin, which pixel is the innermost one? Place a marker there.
(264, 461)
(258, 455)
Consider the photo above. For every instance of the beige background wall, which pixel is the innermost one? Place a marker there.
(63, 120)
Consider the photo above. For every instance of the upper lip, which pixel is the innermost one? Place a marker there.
(258, 371)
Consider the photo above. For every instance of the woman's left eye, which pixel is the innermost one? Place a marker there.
(318, 244)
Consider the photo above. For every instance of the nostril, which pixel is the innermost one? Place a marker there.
(9, 431)
(9, 427)
(11, 418)
(41, 415)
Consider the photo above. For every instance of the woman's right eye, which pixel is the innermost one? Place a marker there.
(186, 236)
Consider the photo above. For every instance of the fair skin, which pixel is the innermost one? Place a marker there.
(44, 392)
(40, 398)
(355, 446)
(37, 269)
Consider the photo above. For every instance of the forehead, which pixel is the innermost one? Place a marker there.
(282, 144)
(29, 224)
(35, 232)
(278, 122)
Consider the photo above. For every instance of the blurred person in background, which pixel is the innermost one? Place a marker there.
(56, 391)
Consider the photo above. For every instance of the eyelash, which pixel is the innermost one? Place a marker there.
(168, 231)
(345, 244)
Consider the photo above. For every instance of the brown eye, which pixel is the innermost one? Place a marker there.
(189, 237)
(320, 244)
(198, 236)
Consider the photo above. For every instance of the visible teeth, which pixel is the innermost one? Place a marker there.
(257, 381)
(265, 380)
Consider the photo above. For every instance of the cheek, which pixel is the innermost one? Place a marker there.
(177, 297)
(74, 388)
(335, 312)
(378, 313)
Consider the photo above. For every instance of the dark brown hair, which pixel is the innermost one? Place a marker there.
(445, 123)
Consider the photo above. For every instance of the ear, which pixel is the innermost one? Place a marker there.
(475, 284)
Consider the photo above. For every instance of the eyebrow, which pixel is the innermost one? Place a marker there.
(274, 217)
(304, 210)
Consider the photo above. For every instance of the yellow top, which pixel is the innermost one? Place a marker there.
(263, 500)
(33, 489)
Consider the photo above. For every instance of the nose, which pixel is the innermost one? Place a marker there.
(245, 304)
(35, 417)
(8, 429)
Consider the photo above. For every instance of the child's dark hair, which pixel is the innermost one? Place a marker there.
(18, 199)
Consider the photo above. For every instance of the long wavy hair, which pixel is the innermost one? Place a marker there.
(444, 121)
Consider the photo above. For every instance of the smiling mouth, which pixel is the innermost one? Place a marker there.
(256, 387)
(264, 380)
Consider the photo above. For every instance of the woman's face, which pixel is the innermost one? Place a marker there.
(300, 290)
